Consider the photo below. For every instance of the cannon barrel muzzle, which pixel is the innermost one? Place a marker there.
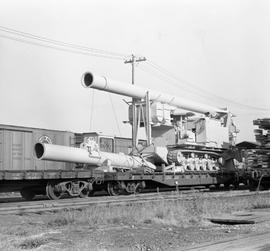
(89, 80)
(81, 155)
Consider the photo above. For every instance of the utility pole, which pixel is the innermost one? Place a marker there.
(132, 61)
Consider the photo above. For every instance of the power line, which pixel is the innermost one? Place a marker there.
(193, 88)
(75, 48)
(92, 110)
(209, 94)
(204, 92)
(115, 115)
(168, 80)
(57, 42)
(55, 48)
(84, 50)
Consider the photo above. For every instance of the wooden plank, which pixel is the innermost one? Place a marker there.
(33, 175)
(49, 174)
(52, 175)
(82, 174)
(13, 175)
(68, 175)
(231, 221)
(245, 217)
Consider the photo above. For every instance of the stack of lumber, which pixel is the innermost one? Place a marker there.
(262, 134)
(261, 157)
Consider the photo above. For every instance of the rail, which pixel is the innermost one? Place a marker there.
(78, 203)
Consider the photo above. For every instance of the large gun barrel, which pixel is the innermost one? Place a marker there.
(90, 80)
(84, 156)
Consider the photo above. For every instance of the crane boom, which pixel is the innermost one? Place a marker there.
(89, 80)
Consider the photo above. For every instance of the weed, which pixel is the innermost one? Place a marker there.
(147, 221)
(160, 214)
(58, 222)
(16, 230)
(176, 213)
(115, 220)
(33, 243)
(260, 205)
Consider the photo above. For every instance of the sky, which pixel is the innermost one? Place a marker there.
(216, 52)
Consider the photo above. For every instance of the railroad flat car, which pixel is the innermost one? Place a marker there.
(21, 171)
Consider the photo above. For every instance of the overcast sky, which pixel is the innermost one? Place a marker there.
(221, 47)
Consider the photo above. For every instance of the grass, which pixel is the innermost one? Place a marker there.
(33, 243)
(72, 228)
(59, 221)
(261, 203)
(176, 213)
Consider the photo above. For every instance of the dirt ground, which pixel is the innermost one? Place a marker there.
(175, 225)
(37, 232)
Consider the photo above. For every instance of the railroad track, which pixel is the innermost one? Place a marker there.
(78, 203)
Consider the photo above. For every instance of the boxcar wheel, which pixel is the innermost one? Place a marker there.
(114, 188)
(27, 194)
(52, 192)
(84, 193)
(91, 193)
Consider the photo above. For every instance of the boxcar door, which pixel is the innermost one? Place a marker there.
(17, 150)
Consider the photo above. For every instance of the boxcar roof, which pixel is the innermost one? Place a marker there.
(25, 128)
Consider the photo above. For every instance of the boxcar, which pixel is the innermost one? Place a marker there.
(19, 169)
(17, 144)
(108, 143)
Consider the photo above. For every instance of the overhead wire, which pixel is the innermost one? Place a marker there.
(67, 47)
(196, 89)
(84, 50)
(165, 78)
(115, 114)
(56, 48)
(180, 86)
(56, 43)
(92, 109)
(208, 94)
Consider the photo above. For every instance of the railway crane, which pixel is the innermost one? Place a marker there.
(186, 135)
(191, 140)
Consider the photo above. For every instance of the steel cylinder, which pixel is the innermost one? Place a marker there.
(80, 155)
(89, 80)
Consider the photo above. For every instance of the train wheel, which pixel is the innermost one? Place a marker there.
(114, 188)
(27, 194)
(52, 191)
(85, 189)
(84, 193)
(227, 186)
(91, 193)
(132, 187)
